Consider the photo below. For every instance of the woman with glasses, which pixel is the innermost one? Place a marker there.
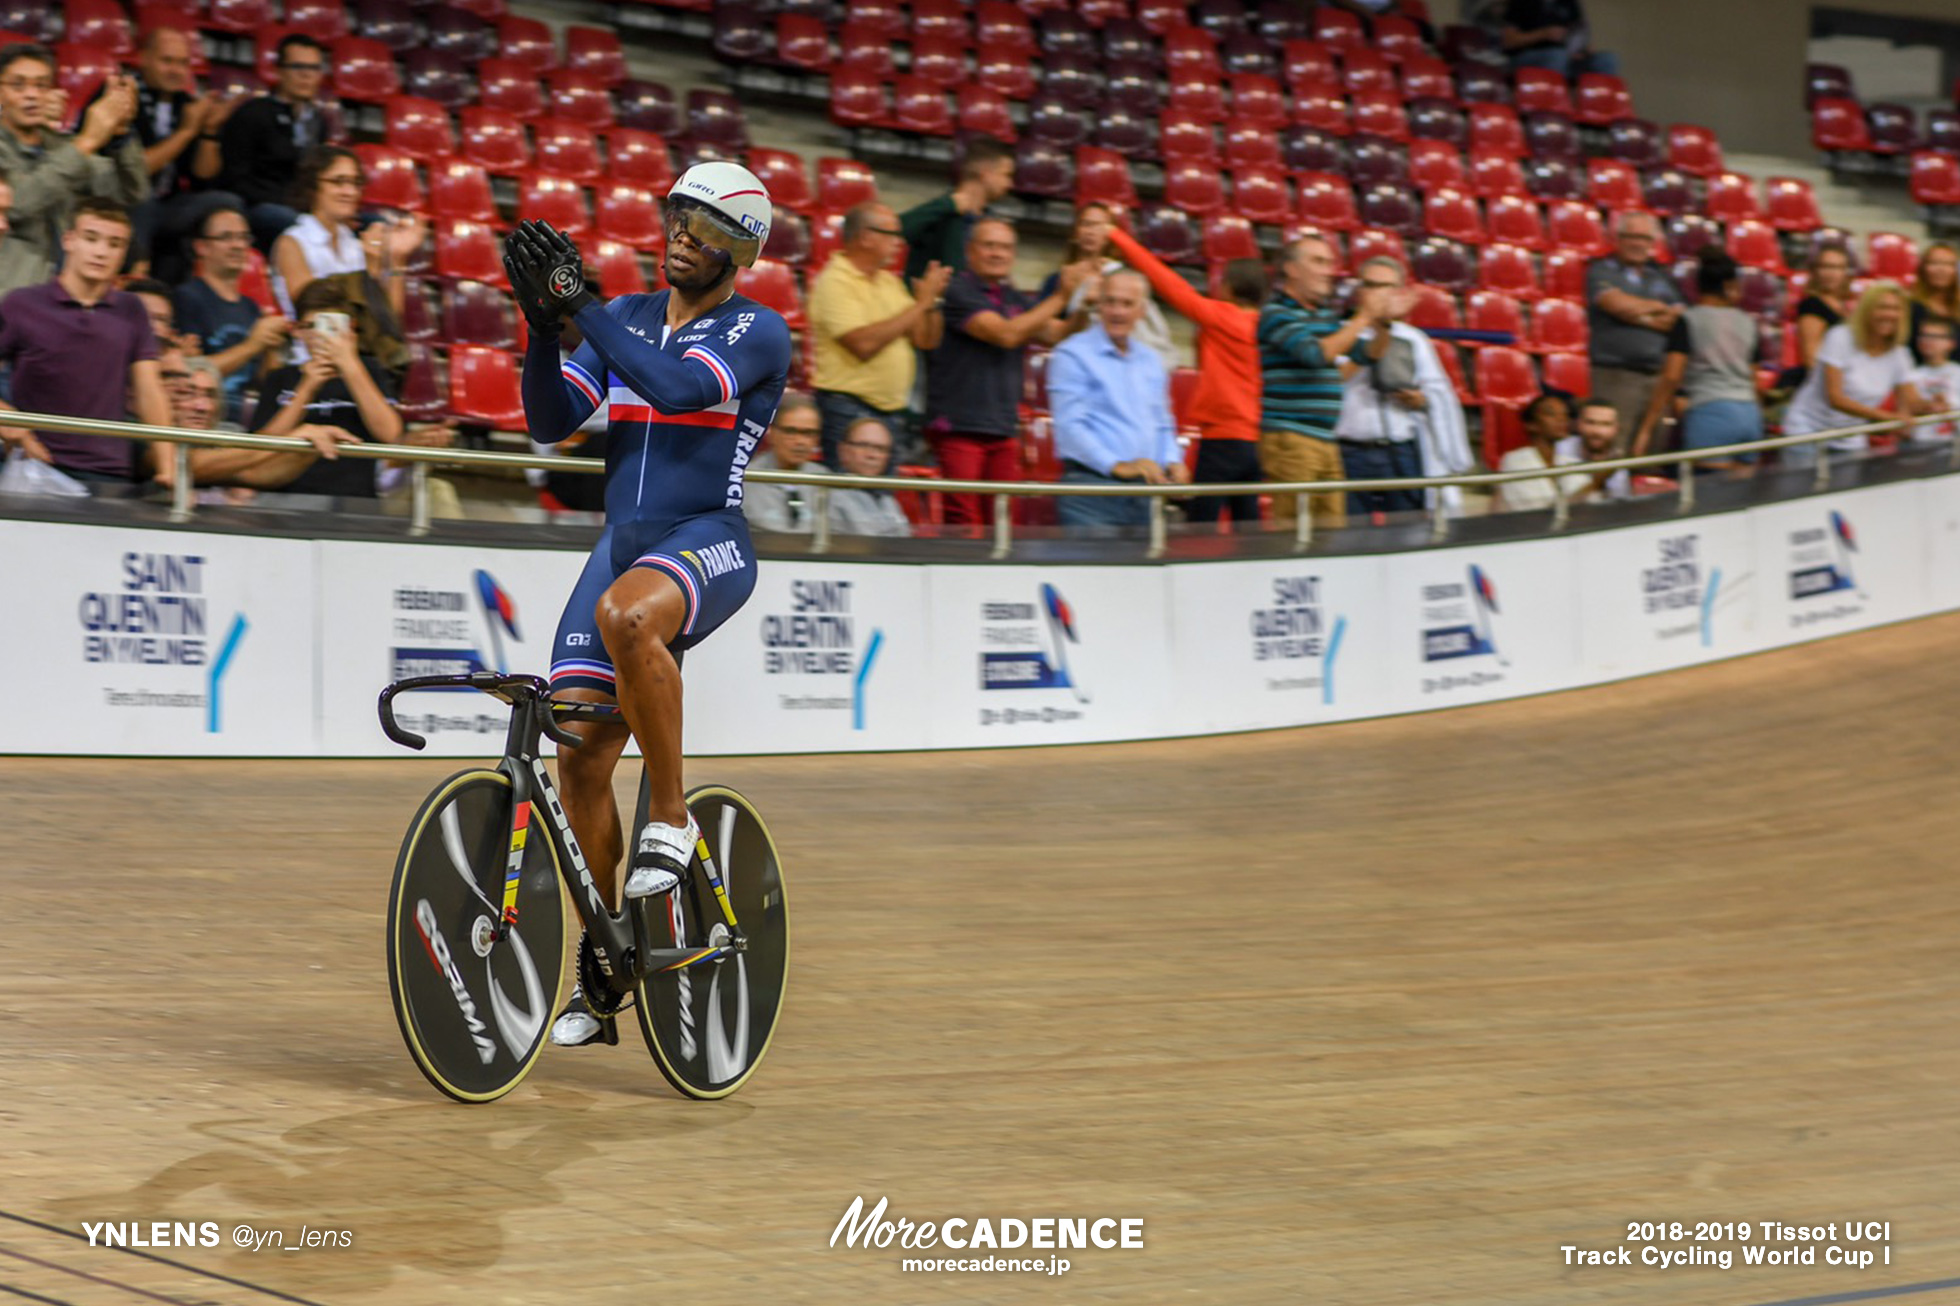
(323, 243)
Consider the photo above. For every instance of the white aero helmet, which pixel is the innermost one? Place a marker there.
(726, 208)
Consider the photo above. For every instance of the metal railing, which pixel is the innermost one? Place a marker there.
(420, 459)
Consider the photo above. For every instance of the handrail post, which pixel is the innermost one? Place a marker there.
(1561, 507)
(418, 498)
(183, 498)
(1302, 522)
(820, 526)
(1687, 474)
(1003, 525)
(1439, 518)
(1158, 528)
(1823, 478)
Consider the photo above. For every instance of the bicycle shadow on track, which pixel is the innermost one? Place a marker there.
(425, 1188)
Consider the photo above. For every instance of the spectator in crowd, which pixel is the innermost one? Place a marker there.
(1400, 417)
(1711, 364)
(940, 229)
(869, 327)
(1089, 239)
(1827, 298)
(322, 242)
(236, 333)
(1599, 435)
(794, 439)
(52, 172)
(1302, 340)
(1861, 364)
(195, 406)
(973, 380)
(335, 386)
(1935, 290)
(866, 450)
(1937, 378)
(79, 347)
(1111, 402)
(1552, 34)
(178, 132)
(1631, 306)
(264, 139)
(154, 296)
(19, 264)
(1547, 422)
(1225, 401)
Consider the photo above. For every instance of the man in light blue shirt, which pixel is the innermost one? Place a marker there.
(1111, 403)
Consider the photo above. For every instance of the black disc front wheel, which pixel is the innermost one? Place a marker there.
(474, 1010)
(708, 1025)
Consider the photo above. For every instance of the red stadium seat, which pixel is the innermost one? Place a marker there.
(1168, 234)
(1694, 150)
(982, 111)
(885, 17)
(1398, 36)
(1935, 179)
(1338, 29)
(392, 181)
(773, 285)
(1753, 244)
(323, 20)
(1575, 225)
(425, 385)
(862, 50)
(419, 128)
(1159, 16)
(939, 61)
(1494, 129)
(1492, 175)
(921, 107)
(1559, 326)
(1568, 373)
(460, 191)
(1838, 127)
(1506, 382)
(1004, 70)
(1002, 26)
(528, 42)
(483, 388)
(1191, 50)
(494, 140)
(782, 173)
(789, 238)
(859, 99)
(1602, 100)
(364, 70)
(582, 96)
(803, 41)
(1380, 113)
(1436, 165)
(1612, 185)
(1452, 361)
(239, 17)
(1792, 205)
(1103, 176)
(844, 184)
(1227, 237)
(1730, 197)
(1194, 187)
(476, 314)
(629, 214)
(1515, 220)
(1369, 243)
(1196, 93)
(99, 25)
(940, 20)
(1259, 194)
(1327, 202)
(1435, 310)
(1424, 78)
(1258, 100)
(1187, 136)
(1509, 269)
(1322, 109)
(596, 51)
(1540, 90)
(1249, 145)
(566, 149)
(1310, 64)
(1565, 273)
(1364, 72)
(1495, 312)
(616, 266)
(559, 201)
(421, 312)
(639, 157)
(469, 251)
(509, 86)
(1454, 214)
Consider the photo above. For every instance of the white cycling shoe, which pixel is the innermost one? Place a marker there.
(577, 1026)
(662, 858)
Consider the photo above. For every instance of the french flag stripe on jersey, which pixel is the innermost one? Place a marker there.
(710, 417)
(582, 667)
(686, 578)
(583, 379)
(719, 368)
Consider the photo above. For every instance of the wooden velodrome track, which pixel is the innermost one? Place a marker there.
(1375, 1013)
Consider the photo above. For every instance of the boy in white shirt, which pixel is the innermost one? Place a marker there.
(1937, 378)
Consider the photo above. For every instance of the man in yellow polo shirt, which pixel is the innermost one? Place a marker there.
(869, 327)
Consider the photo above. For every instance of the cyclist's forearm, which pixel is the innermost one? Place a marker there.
(549, 405)
(666, 382)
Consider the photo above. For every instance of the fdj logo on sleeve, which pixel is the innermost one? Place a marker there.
(1038, 635)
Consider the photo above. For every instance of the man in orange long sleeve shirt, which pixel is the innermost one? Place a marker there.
(1226, 403)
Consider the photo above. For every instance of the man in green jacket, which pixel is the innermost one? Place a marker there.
(936, 230)
(51, 171)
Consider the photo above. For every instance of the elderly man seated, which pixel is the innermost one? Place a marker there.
(793, 443)
(866, 450)
(1111, 403)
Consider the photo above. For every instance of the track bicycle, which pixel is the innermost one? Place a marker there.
(476, 922)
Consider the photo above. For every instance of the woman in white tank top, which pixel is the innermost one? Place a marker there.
(323, 243)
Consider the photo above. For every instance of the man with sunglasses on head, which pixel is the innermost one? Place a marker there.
(264, 139)
(692, 375)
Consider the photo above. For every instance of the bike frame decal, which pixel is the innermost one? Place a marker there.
(520, 828)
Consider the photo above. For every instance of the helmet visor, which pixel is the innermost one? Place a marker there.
(711, 231)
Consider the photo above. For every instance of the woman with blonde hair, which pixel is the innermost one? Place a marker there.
(1861, 364)
(1935, 291)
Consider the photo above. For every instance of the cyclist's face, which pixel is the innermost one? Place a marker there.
(694, 260)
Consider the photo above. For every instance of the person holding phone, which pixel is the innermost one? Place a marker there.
(336, 386)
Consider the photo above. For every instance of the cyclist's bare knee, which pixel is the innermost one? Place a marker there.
(642, 607)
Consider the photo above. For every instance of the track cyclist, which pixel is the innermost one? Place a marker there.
(692, 375)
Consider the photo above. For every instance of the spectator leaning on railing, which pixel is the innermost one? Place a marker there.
(1302, 340)
(1826, 300)
(52, 172)
(1111, 402)
(78, 346)
(869, 326)
(1710, 363)
(1935, 290)
(336, 386)
(1225, 401)
(1937, 378)
(794, 438)
(866, 450)
(1631, 306)
(1862, 364)
(237, 334)
(1547, 420)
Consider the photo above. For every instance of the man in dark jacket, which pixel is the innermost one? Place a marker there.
(936, 231)
(264, 140)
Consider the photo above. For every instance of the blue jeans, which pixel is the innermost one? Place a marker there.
(1098, 514)
(1724, 421)
(1382, 462)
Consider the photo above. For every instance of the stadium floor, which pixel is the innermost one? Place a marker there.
(1375, 1013)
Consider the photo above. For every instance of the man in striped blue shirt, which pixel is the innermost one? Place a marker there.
(1302, 343)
